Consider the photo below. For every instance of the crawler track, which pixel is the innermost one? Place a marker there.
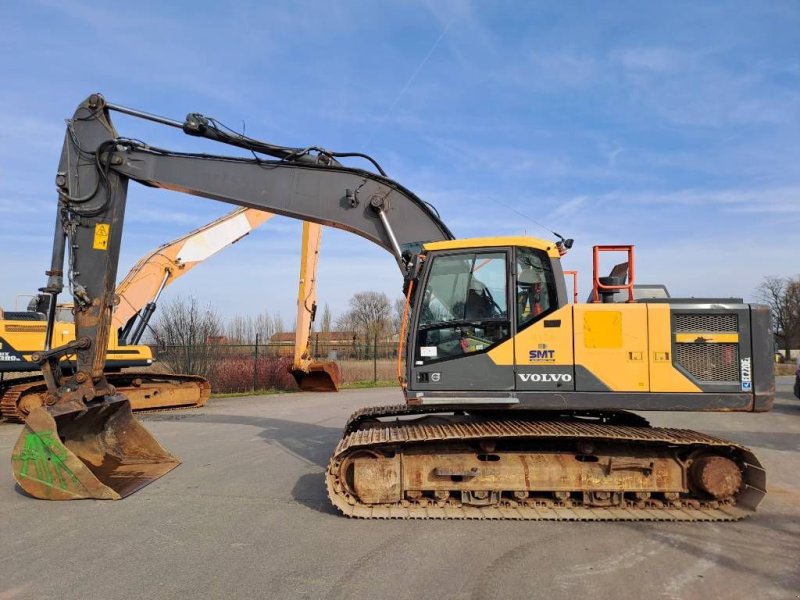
(372, 414)
(145, 390)
(433, 444)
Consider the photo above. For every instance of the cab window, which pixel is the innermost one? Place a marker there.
(536, 286)
(464, 306)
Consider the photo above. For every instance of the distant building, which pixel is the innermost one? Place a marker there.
(341, 344)
(329, 337)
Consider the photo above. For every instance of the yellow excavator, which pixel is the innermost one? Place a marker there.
(519, 404)
(22, 333)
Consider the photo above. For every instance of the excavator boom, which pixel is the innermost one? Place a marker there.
(163, 266)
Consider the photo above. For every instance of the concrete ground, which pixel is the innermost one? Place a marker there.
(246, 516)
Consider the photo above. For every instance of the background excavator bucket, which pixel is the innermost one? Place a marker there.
(319, 376)
(100, 452)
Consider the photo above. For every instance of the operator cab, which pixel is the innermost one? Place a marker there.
(473, 296)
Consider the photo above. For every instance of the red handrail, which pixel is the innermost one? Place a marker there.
(597, 287)
(574, 285)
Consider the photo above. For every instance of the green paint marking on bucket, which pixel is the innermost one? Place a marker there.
(44, 456)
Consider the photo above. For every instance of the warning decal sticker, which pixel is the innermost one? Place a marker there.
(101, 231)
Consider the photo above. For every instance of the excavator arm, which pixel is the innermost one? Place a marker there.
(140, 289)
(86, 427)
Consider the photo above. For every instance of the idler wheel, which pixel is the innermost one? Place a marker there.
(717, 476)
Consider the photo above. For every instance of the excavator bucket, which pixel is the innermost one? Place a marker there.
(98, 452)
(319, 376)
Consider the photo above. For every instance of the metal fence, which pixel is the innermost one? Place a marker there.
(247, 367)
(357, 350)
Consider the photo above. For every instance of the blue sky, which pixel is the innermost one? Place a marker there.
(674, 126)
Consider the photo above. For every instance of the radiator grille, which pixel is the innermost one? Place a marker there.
(26, 328)
(709, 362)
(23, 316)
(697, 323)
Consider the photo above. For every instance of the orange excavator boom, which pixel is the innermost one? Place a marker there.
(311, 375)
(139, 290)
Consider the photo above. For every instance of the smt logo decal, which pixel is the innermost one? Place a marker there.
(542, 355)
(545, 377)
(747, 374)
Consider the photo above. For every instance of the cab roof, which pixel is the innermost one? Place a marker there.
(495, 242)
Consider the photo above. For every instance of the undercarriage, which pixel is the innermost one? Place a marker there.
(145, 390)
(401, 463)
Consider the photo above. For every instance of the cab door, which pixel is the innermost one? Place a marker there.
(462, 314)
(543, 340)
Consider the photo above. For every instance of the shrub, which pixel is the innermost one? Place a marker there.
(232, 374)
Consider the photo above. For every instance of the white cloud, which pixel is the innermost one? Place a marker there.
(698, 88)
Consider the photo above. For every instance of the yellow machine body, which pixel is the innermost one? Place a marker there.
(656, 354)
(20, 339)
(626, 346)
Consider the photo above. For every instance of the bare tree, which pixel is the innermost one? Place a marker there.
(264, 326)
(278, 325)
(345, 322)
(187, 333)
(239, 329)
(782, 295)
(326, 320)
(398, 309)
(369, 315)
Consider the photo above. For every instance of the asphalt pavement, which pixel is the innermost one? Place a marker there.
(246, 516)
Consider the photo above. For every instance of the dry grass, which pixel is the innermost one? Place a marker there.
(354, 371)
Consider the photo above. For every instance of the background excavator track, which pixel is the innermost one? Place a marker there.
(146, 391)
(372, 438)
